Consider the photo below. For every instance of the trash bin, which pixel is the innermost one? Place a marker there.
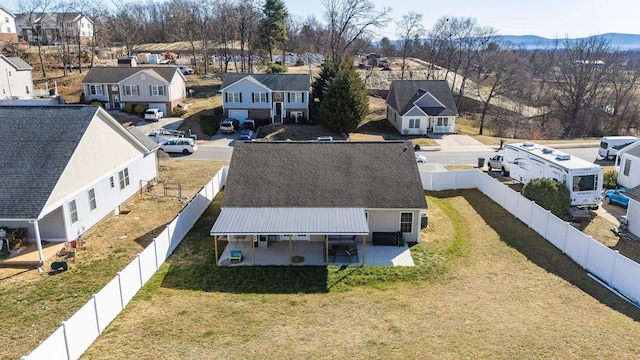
(480, 162)
(424, 220)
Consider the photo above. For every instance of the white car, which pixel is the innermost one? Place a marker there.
(179, 145)
(185, 70)
(153, 114)
(421, 159)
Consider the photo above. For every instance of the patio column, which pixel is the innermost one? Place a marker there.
(326, 248)
(215, 245)
(253, 249)
(36, 228)
(290, 250)
(364, 247)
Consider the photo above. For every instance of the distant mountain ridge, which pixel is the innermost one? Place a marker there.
(620, 41)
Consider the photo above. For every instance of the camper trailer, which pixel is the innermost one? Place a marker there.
(524, 162)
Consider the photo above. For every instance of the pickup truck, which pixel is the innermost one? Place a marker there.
(153, 114)
(495, 162)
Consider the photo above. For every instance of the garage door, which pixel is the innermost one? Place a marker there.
(239, 114)
(161, 107)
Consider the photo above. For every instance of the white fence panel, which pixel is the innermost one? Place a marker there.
(625, 277)
(444, 180)
(539, 219)
(162, 247)
(512, 200)
(173, 235)
(108, 303)
(525, 207)
(601, 261)
(577, 246)
(427, 180)
(467, 179)
(52, 348)
(129, 281)
(557, 232)
(147, 263)
(81, 330)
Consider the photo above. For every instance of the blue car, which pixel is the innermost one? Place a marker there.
(616, 196)
(246, 135)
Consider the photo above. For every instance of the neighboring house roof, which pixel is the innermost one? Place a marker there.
(275, 82)
(113, 75)
(633, 149)
(36, 144)
(633, 193)
(374, 175)
(7, 11)
(17, 63)
(144, 139)
(404, 93)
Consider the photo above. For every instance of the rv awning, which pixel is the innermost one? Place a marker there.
(285, 221)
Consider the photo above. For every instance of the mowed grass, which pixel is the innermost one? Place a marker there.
(484, 286)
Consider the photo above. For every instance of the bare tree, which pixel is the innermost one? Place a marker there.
(409, 29)
(248, 15)
(35, 10)
(124, 27)
(349, 20)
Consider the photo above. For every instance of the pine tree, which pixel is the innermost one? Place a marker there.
(328, 71)
(345, 102)
(273, 25)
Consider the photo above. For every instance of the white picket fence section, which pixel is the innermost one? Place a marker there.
(75, 335)
(613, 269)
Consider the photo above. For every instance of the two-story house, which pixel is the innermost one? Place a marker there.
(55, 28)
(16, 81)
(160, 87)
(266, 96)
(8, 31)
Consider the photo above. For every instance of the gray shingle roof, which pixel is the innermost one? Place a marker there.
(633, 193)
(17, 63)
(36, 144)
(404, 93)
(324, 174)
(113, 75)
(144, 139)
(275, 82)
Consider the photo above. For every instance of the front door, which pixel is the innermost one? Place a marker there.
(277, 113)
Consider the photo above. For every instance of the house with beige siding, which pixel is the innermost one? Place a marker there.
(59, 181)
(160, 87)
(8, 31)
(16, 81)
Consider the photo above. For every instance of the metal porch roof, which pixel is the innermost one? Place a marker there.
(294, 220)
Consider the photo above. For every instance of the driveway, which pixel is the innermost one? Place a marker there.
(169, 123)
(456, 142)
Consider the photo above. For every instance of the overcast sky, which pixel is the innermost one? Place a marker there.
(547, 18)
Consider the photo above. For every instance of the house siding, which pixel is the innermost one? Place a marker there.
(14, 83)
(633, 179)
(389, 221)
(52, 227)
(246, 88)
(90, 97)
(144, 80)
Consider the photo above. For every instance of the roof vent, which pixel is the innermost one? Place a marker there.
(563, 157)
(547, 151)
(528, 144)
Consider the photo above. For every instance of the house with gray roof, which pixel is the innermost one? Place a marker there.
(16, 81)
(416, 107)
(159, 87)
(314, 194)
(272, 97)
(64, 168)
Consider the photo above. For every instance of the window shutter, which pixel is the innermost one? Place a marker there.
(150, 90)
(253, 97)
(303, 97)
(138, 89)
(288, 97)
(226, 96)
(240, 97)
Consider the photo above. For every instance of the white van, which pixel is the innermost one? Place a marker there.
(609, 145)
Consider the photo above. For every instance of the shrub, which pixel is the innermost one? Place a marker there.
(210, 124)
(178, 112)
(217, 111)
(610, 179)
(97, 103)
(139, 109)
(128, 108)
(273, 68)
(550, 194)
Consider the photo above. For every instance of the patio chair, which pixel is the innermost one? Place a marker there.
(352, 252)
(235, 255)
(332, 254)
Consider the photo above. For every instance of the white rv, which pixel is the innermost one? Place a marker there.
(527, 161)
(610, 145)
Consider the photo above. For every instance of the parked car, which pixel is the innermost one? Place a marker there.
(421, 159)
(616, 196)
(495, 163)
(185, 70)
(153, 114)
(179, 145)
(246, 135)
(249, 124)
(229, 126)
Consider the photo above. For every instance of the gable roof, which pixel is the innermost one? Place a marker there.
(16, 63)
(7, 11)
(275, 82)
(112, 75)
(324, 174)
(404, 93)
(144, 139)
(633, 193)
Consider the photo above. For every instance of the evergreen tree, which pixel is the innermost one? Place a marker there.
(274, 25)
(328, 71)
(345, 102)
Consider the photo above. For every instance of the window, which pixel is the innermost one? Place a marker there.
(414, 123)
(92, 199)
(131, 90)
(111, 182)
(95, 89)
(296, 114)
(234, 97)
(296, 97)
(406, 222)
(27, 89)
(443, 121)
(157, 90)
(260, 97)
(585, 183)
(123, 175)
(627, 167)
(73, 211)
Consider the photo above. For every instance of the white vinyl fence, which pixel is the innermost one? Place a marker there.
(76, 334)
(609, 266)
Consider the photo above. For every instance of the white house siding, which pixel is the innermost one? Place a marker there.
(415, 113)
(8, 30)
(15, 84)
(633, 179)
(52, 227)
(246, 88)
(177, 90)
(633, 217)
(394, 118)
(389, 221)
